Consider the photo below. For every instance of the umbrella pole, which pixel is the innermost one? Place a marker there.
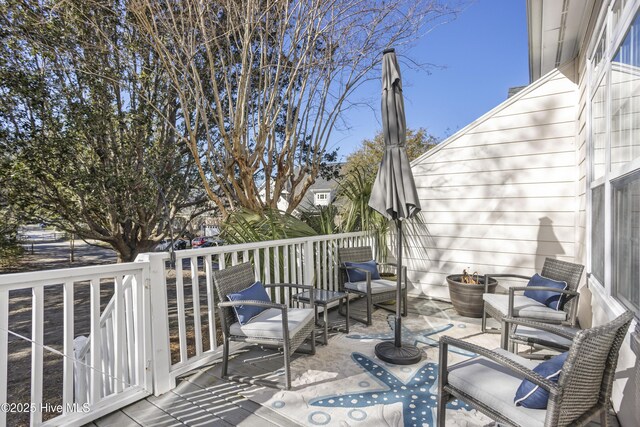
(397, 352)
(398, 330)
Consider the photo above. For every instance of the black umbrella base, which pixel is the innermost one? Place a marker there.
(406, 354)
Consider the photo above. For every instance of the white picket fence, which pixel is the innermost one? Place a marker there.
(159, 323)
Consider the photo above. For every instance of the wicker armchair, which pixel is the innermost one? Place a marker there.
(489, 382)
(375, 291)
(499, 306)
(278, 325)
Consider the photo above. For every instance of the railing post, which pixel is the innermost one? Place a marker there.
(158, 323)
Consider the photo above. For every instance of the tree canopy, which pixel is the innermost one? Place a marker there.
(366, 159)
(264, 82)
(89, 124)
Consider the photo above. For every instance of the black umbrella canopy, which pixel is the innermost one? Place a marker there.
(394, 193)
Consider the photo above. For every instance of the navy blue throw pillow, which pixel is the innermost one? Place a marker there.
(255, 292)
(360, 276)
(551, 299)
(532, 396)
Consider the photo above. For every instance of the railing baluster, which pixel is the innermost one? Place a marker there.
(325, 266)
(4, 351)
(130, 339)
(96, 342)
(267, 265)
(277, 252)
(118, 334)
(137, 337)
(195, 291)
(211, 312)
(296, 262)
(37, 355)
(108, 359)
(335, 270)
(256, 264)
(222, 261)
(68, 335)
(234, 258)
(316, 247)
(182, 327)
(285, 257)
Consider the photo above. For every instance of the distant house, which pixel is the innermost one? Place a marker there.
(321, 193)
(553, 171)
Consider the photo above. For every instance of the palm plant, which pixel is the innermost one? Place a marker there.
(356, 215)
(321, 218)
(244, 226)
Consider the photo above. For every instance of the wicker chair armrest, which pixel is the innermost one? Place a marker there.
(253, 302)
(544, 288)
(510, 364)
(387, 264)
(488, 277)
(288, 285)
(514, 276)
(547, 327)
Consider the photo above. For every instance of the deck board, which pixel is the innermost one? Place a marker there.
(145, 413)
(118, 418)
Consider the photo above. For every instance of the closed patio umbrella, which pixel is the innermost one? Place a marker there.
(394, 193)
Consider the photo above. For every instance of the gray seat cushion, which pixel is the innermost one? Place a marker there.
(268, 324)
(524, 307)
(377, 286)
(495, 386)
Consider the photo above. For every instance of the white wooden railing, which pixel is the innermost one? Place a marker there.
(104, 388)
(191, 320)
(159, 323)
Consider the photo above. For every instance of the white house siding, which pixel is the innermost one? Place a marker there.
(499, 195)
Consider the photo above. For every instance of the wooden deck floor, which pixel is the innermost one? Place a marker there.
(202, 398)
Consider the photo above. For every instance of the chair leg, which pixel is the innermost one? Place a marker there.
(313, 341)
(225, 357)
(441, 412)
(369, 310)
(287, 368)
(604, 418)
(504, 336)
(484, 320)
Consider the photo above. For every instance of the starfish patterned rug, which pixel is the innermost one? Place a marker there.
(345, 384)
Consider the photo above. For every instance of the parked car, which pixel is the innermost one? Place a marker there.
(198, 241)
(178, 244)
(211, 243)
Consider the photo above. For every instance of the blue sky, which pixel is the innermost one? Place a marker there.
(479, 55)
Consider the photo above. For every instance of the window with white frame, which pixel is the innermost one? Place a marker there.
(322, 198)
(615, 154)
